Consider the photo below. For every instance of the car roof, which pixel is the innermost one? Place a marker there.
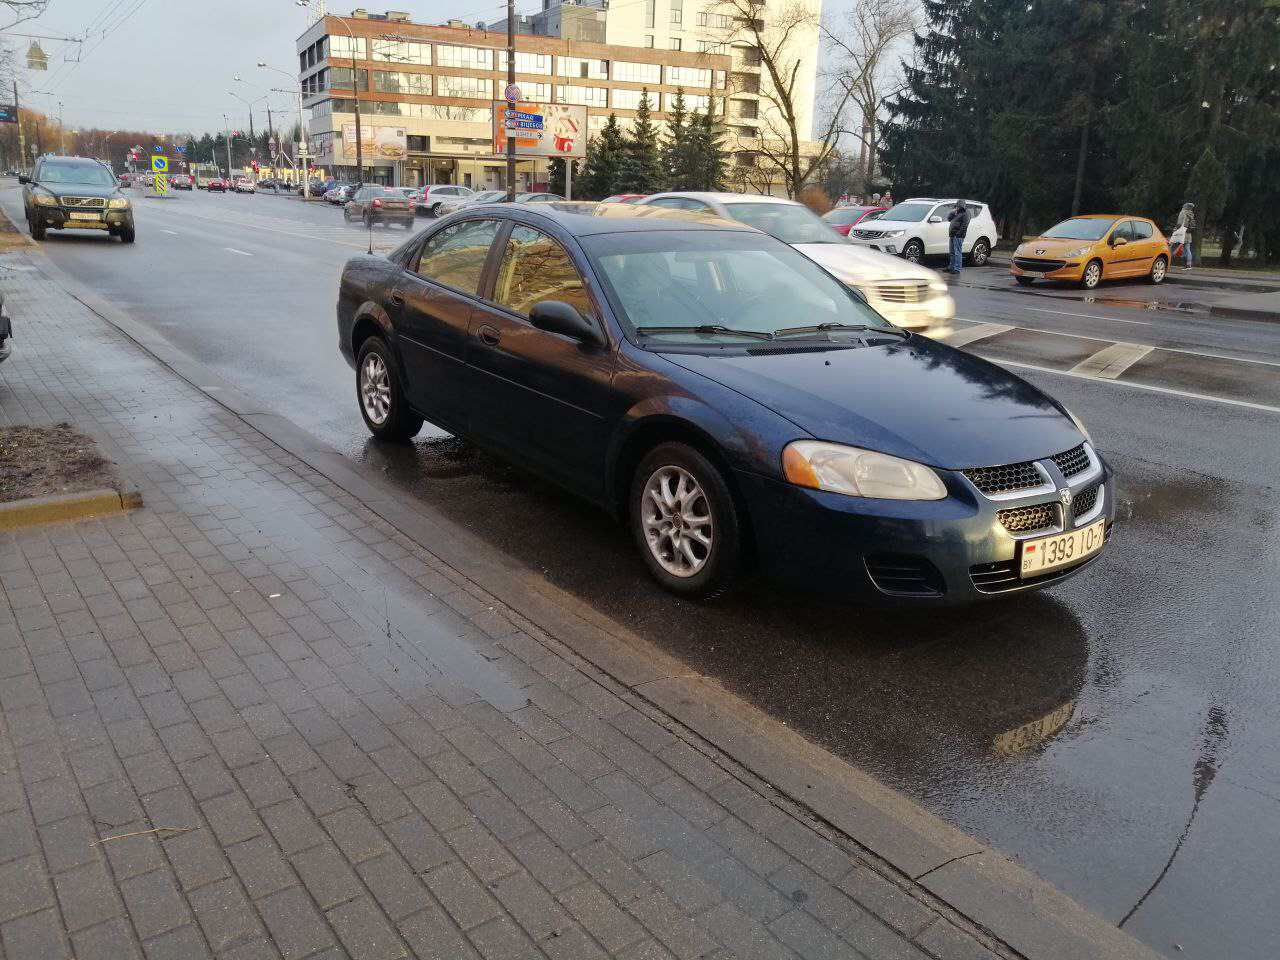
(1107, 216)
(73, 161)
(722, 197)
(587, 218)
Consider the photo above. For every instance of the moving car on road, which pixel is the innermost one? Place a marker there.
(1089, 249)
(75, 193)
(729, 400)
(431, 200)
(843, 218)
(340, 193)
(384, 205)
(916, 228)
(216, 185)
(181, 181)
(910, 295)
(245, 185)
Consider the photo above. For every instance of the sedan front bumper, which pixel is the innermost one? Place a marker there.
(951, 551)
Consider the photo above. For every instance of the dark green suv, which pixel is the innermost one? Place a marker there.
(75, 193)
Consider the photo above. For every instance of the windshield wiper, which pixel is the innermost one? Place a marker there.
(708, 328)
(842, 327)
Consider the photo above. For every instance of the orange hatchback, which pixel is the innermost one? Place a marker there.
(1090, 249)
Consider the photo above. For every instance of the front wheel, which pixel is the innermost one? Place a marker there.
(1159, 268)
(126, 234)
(685, 522)
(38, 229)
(913, 252)
(1092, 275)
(980, 253)
(382, 402)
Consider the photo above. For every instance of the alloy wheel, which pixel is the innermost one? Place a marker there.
(375, 389)
(980, 253)
(677, 521)
(1092, 274)
(1158, 270)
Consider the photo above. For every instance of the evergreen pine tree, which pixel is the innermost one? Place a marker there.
(605, 156)
(556, 169)
(707, 153)
(677, 151)
(642, 164)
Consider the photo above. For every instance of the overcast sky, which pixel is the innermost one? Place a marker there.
(167, 66)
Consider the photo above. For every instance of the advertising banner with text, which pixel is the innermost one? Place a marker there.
(540, 129)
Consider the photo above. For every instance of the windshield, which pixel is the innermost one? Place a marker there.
(740, 281)
(77, 173)
(908, 212)
(843, 216)
(1079, 228)
(789, 222)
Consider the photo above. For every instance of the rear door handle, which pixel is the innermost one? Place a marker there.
(395, 298)
(490, 335)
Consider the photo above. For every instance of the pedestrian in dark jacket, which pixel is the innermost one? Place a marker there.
(959, 218)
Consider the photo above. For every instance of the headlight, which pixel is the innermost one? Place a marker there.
(44, 200)
(118, 203)
(1080, 426)
(937, 286)
(892, 233)
(1077, 252)
(858, 473)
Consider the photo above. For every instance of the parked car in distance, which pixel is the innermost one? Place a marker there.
(736, 406)
(842, 218)
(318, 187)
(181, 181)
(216, 185)
(124, 180)
(535, 196)
(484, 196)
(1092, 248)
(908, 294)
(75, 193)
(625, 198)
(431, 199)
(340, 193)
(384, 205)
(917, 228)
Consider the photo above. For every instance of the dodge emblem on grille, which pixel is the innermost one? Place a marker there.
(1065, 496)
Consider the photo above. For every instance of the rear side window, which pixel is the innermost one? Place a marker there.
(536, 268)
(1141, 230)
(456, 255)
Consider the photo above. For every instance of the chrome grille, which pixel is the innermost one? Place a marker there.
(98, 202)
(902, 292)
(1038, 516)
(1073, 461)
(1085, 501)
(868, 234)
(1002, 479)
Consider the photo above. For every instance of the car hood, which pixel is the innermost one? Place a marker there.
(862, 265)
(1052, 247)
(79, 190)
(913, 398)
(883, 224)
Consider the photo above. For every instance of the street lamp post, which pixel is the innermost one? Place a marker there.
(355, 89)
(302, 130)
(249, 104)
(226, 132)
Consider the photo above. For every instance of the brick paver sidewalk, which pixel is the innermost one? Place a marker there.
(253, 720)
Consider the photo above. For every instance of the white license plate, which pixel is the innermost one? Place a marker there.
(1049, 553)
(1036, 274)
(81, 215)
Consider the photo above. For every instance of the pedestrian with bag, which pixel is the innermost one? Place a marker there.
(1181, 236)
(959, 218)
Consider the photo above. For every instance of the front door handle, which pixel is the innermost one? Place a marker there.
(490, 335)
(395, 298)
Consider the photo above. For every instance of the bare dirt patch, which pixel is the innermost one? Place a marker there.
(43, 460)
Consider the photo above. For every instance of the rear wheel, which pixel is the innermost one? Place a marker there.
(1025, 281)
(981, 253)
(382, 402)
(435, 209)
(685, 522)
(1159, 269)
(913, 252)
(1092, 275)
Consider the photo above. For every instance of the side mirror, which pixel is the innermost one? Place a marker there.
(935, 219)
(23, 178)
(556, 316)
(1118, 241)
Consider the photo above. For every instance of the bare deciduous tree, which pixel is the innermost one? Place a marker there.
(20, 10)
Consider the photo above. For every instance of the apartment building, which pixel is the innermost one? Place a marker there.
(440, 83)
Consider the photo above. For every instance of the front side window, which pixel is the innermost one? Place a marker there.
(455, 256)
(1124, 230)
(536, 268)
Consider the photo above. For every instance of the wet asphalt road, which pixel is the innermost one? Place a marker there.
(1117, 735)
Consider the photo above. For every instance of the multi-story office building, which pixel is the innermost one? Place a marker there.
(440, 83)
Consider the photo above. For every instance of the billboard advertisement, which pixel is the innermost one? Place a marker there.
(540, 129)
(378, 144)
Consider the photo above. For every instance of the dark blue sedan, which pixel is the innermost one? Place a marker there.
(735, 405)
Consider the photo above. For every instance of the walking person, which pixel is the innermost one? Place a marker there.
(959, 218)
(1185, 226)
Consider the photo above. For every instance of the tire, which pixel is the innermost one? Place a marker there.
(379, 395)
(1092, 275)
(435, 209)
(713, 560)
(1159, 270)
(980, 253)
(913, 252)
(1025, 281)
(38, 230)
(127, 234)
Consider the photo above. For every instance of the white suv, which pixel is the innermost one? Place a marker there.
(917, 228)
(431, 199)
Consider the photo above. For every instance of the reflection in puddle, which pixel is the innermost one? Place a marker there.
(1023, 738)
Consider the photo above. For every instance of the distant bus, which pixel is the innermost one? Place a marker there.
(204, 172)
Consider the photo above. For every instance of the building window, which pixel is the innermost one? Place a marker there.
(401, 51)
(677, 11)
(415, 83)
(675, 43)
(637, 72)
(582, 68)
(720, 79)
(630, 99)
(537, 92)
(691, 102)
(649, 14)
(527, 62)
(344, 48)
(585, 96)
(648, 40)
(465, 143)
(341, 77)
(479, 88)
(744, 159)
(712, 46)
(702, 18)
(744, 133)
(746, 109)
(689, 76)
(469, 58)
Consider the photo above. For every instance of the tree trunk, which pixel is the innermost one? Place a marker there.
(1084, 145)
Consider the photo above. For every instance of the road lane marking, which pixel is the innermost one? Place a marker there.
(962, 338)
(1171, 391)
(1087, 316)
(174, 232)
(234, 250)
(1109, 362)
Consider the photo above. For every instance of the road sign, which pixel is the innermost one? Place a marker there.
(8, 113)
(160, 164)
(162, 184)
(512, 93)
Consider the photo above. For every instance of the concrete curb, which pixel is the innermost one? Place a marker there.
(64, 507)
(1014, 906)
